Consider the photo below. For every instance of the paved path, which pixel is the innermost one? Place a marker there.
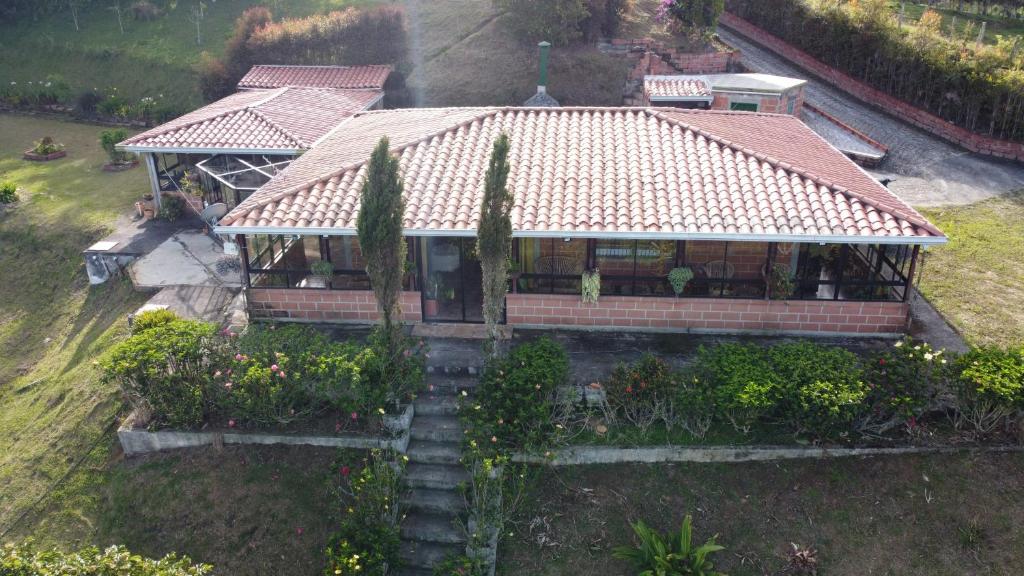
(928, 170)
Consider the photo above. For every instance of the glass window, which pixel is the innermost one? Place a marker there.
(747, 264)
(743, 106)
(616, 259)
(345, 253)
(654, 260)
(707, 261)
(551, 265)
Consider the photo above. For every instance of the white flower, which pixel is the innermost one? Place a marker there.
(899, 344)
(928, 356)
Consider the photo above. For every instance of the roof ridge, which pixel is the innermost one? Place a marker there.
(153, 132)
(261, 202)
(299, 141)
(344, 67)
(914, 217)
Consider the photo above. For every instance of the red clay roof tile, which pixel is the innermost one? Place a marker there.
(280, 76)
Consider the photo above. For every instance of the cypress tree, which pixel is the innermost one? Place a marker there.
(494, 239)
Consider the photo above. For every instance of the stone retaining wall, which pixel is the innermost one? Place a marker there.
(713, 315)
(890, 104)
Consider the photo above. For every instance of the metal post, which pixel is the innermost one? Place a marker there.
(913, 270)
(154, 179)
(243, 253)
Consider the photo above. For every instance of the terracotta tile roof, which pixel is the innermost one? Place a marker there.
(587, 172)
(282, 119)
(275, 76)
(677, 86)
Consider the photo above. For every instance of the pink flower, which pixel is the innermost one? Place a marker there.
(234, 334)
(238, 357)
(299, 530)
(337, 426)
(231, 423)
(216, 374)
(228, 372)
(273, 368)
(355, 416)
(228, 385)
(281, 373)
(345, 471)
(407, 353)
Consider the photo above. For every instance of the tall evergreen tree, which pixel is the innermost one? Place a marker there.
(380, 236)
(494, 238)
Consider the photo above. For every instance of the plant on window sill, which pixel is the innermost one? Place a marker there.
(679, 278)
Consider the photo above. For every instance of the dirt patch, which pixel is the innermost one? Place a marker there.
(936, 515)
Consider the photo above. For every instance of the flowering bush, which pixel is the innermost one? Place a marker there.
(904, 382)
(641, 392)
(367, 542)
(988, 386)
(23, 560)
(511, 407)
(52, 90)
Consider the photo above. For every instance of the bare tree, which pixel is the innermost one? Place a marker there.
(116, 9)
(196, 15)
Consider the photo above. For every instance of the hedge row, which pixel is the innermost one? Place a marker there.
(979, 89)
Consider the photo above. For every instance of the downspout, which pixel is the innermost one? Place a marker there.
(154, 179)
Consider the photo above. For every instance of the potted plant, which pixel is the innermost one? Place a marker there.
(430, 293)
(591, 285)
(679, 278)
(780, 282)
(322, 271)
(190, 184)
(44, 150)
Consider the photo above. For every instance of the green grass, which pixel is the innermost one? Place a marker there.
(977, 280)
(938, 515)
(246, 510)
(149, 59)
(52, 324)
(966, 23)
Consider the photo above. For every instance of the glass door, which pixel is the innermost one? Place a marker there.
(452, 290)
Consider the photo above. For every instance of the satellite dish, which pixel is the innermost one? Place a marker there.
(213, 213)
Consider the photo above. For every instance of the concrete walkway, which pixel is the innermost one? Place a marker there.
(207, 303)
(187, 258)
(928, 170)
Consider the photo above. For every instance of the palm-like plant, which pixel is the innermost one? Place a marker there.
(673, 555)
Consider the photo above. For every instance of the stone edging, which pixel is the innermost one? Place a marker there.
(141, 441)
(579, 455)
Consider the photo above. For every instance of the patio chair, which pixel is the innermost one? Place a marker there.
(718, 269)
(557, 265)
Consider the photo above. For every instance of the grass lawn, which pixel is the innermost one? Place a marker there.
(937, 515)
(246, 510)
(52, 323)
(977, 280)
(965, 23)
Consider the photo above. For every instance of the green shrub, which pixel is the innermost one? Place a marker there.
(166, 370)
(903, 383)
(604, 18)
(171, 207)
(740, 380)
(8, 192)
(152, 318)
(23, 560)
(512, 405)
(395, 377)
(47, 145)
(459, 565)
(367, 541)
(822, 387)
(109, 140)
(557, 21)
(670, 555)
(988, 386)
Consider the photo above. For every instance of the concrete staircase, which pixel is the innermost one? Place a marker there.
(436, 508)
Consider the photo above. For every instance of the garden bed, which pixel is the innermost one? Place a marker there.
(136, 439)
(35, 157)
(120, 166)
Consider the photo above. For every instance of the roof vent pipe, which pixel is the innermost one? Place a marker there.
(542, 84)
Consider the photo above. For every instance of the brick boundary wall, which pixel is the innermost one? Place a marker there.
(724, 315)
(651, 57)
(357, 306)
(911, 114)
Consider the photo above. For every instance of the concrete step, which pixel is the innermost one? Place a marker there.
(451, 383)
(433, 404)
(426, 452)
(420, 555)
(410, 571)
(436, 428)
(428, 500)
(432, 527)
(435, 476)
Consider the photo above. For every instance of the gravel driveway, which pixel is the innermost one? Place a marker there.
(928, 170)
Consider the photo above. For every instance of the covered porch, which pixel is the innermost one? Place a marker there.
(734, 286)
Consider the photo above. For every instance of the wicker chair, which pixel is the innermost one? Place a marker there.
(557, 265)
(718, 269)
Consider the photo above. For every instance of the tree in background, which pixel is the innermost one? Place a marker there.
(494, 239)
(557, 21)
(700, 16)
(380, 236)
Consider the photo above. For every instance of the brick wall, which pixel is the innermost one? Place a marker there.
(709, 314)
(652, 58)
(325, 305)
(924, 120)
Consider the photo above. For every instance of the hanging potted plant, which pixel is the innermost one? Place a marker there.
(430, 292)
(591, 285)
(322, 272)
(679, 278)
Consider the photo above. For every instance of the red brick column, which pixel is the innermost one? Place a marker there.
(326, 305)
(712, 314)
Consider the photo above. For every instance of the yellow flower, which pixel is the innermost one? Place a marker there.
(380, 410)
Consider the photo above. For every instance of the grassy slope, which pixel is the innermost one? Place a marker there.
(266, 510)
(150, 59)
(935, 515)
(977, 280)
(52, 324)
